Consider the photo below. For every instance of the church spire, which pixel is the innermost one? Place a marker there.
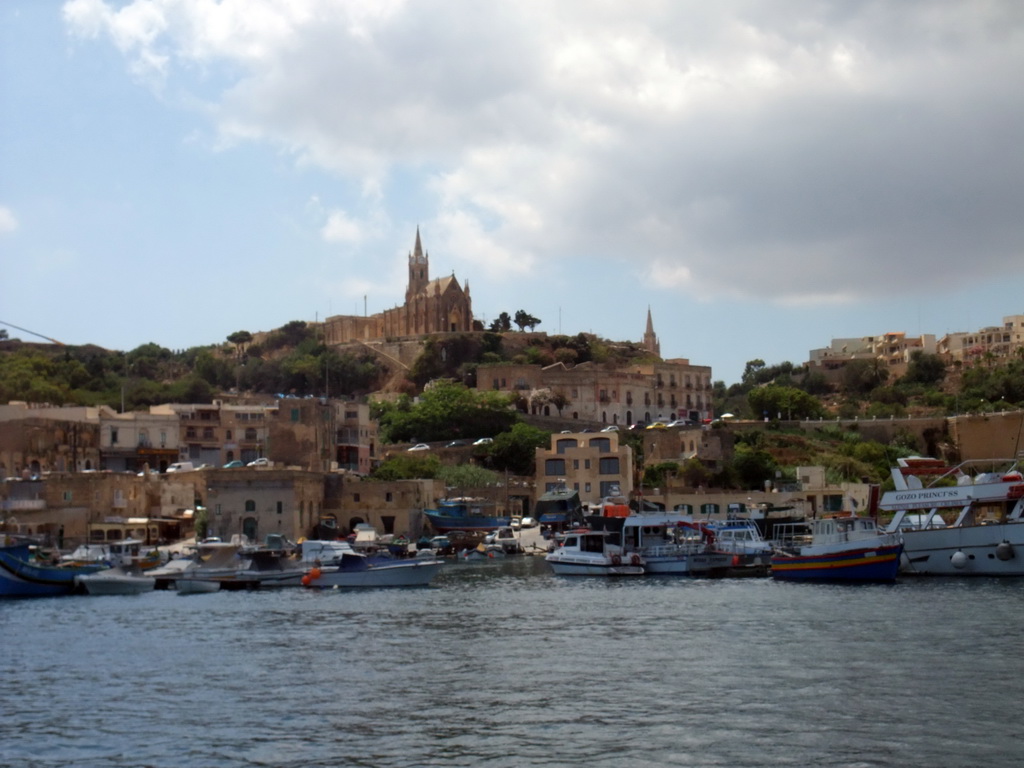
(419, 269)
(650, 342)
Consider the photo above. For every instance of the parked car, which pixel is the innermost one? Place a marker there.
(611, 428)
(639, 425)
(234, 464)
(484, 441)
(181, 466)
(657, 425)
(456, 443)
(263, 461)
(528, 522)
(420, 447)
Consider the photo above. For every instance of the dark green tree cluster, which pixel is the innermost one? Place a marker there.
(446, 410)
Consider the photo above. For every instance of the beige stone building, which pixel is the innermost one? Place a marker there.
(440, 305)
(892, 350)
(595, 464)
(35, 439)
(1003, 341)
(656, 391)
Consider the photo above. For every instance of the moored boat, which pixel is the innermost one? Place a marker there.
(353, 569)
(593, 553)
(846, 548)
(466, 514)
(963, 520)
(116, 581)
(741, 539)
(23, 575)
(559, 508)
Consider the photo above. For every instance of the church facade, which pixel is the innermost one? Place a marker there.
(431, 306)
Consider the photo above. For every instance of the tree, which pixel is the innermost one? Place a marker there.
(515, 450)
(925, 369)
(502, 323)
(447, 410)
(524, 319)
(240, 339)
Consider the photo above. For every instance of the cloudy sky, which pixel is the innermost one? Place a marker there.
(764, 176)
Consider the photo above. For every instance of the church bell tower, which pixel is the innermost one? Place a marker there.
(419, 270)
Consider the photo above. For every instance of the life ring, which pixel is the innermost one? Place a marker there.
(635, 560)
(616, 560)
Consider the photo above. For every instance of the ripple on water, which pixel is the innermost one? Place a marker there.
(509, 665)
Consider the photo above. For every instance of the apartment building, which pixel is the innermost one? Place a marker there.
(1003, 341)
(658, 391)
(595, 464)
(893, 350)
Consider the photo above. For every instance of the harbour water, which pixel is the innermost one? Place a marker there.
(503, 664)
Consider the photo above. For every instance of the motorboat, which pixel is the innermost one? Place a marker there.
(741, 539)
(24, 574)
(336, 564)
(962, 520)
(116, 581)
(593, 553)
(841, 548)
(672, 543)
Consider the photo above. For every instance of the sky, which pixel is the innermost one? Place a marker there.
(762, 176)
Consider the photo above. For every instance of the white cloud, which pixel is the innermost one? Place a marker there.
(8, 221)
(341, 228)
(735, 148)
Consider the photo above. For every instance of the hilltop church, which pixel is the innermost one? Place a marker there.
(431, 306)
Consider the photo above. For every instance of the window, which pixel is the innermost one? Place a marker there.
(355, 497)
(250, 433)
(227, 435)
(388, 496)
(575, 463)
(280, 507)
(250, 505)
(113, 435)
(207, 433)
(602, 444)
(554, 467)
(295, 414)
(609, 465)
(561, 446)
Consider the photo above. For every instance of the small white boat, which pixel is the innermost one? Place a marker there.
(593, 553)
(193, 585)
(116, 581)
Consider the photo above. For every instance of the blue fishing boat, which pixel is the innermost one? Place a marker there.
(21, 575)
(559, 509)
(836, 549)
(466, 514)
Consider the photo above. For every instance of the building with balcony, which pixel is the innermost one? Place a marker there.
(655, 391)
(893, 350)
(595, 464)
(130, 442)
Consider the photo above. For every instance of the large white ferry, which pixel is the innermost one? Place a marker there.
(965, 520)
